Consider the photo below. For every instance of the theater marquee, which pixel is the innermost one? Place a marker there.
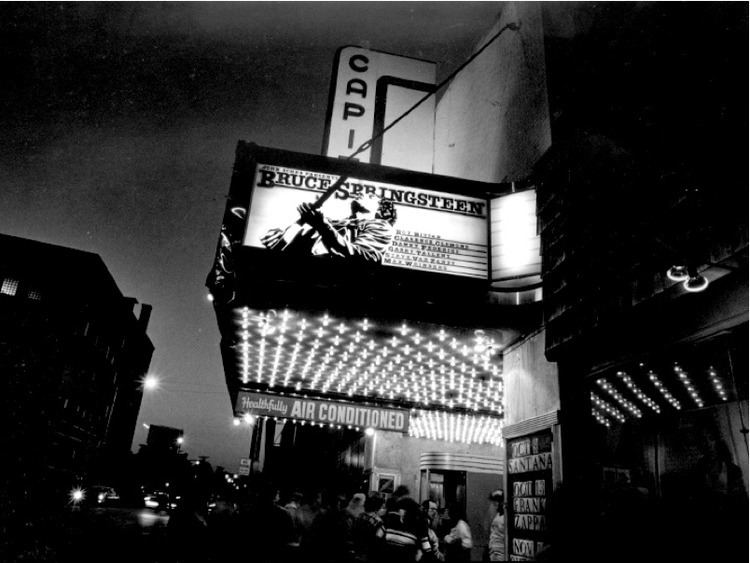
(435, 231)
(323, 412)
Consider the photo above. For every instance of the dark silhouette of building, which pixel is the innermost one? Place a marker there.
(648, 172)
(164, 438)
(72, 356)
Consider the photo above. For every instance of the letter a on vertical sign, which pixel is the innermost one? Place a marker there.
(370, 90)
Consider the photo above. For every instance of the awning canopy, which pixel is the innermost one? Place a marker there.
(687, 378)
(414, 365)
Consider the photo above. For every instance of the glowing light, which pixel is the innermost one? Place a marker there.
(717, 385)
(645, 399)
(77, 495)
(663, 390)
(677, 273)
(695, 283)
(601, 404)
(468, 429)
(515, 222)
(150, 383)
(343, 359)
(604, 384)
(688, 384)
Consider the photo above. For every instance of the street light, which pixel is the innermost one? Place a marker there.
(150, 382)
(77, 495)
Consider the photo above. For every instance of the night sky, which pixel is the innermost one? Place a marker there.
(119, 124)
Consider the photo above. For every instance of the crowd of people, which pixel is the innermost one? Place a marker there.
(318, 526)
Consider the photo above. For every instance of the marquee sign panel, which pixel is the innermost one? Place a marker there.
(323, 411)
(430, 230)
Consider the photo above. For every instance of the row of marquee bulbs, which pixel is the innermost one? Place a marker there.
(427, 372)
(601, 409)
(430, 425)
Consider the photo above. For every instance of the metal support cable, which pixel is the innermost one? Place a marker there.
(367, 144)
(513, 26)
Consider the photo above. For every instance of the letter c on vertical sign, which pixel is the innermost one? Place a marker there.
(354, 59)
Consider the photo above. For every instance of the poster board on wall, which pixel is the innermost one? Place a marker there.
(529, 489)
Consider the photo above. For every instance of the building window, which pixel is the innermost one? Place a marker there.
(10, 286)
(34, 295)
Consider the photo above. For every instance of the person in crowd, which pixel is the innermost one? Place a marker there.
(430, 520)
(356, 506)
(458, 541)
(187, 530)
(368, 531)
(268, 527)
(401, 542)
(443, 525)
(402, 491)
(496, 543)
(311, 506)
(329, 538)
(293, 508)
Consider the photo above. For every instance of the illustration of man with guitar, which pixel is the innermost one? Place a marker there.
(363, 236)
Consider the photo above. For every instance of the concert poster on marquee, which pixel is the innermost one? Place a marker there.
(384, 223)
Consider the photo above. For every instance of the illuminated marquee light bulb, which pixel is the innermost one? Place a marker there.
(604, 384)
(645, 399)
(605, 406)
(688, 384)
(600, 418)
(716, 382)
(663, 390)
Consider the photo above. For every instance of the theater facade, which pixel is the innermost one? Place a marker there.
(371, 369)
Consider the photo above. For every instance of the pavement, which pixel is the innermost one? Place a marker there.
(81, 534)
